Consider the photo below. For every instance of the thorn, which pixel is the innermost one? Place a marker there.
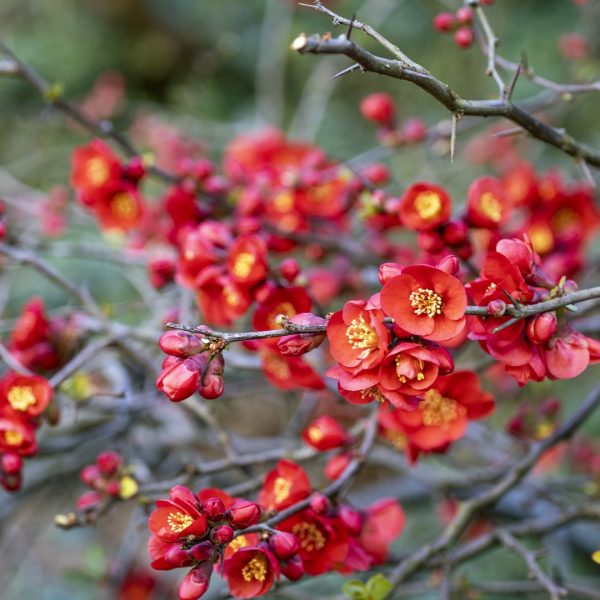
(345, 71)
(453, 137)
(587, 174)
(351, 26)
(508, 132)
(506, 325)
(512, 300)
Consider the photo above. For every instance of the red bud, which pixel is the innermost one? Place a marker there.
(285, 545)
(243, 514)
(196, 582)
(222, 534)
(109, 463)
(214, 509)
(542, 327)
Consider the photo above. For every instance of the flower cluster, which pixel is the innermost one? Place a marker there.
(206, 531)
(108, 187)
(397, 362)
(540, 346)
(23, 401)
(109, 480)
(460, 22)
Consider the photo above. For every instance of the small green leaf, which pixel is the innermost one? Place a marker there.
(378, 587)
(355, 590)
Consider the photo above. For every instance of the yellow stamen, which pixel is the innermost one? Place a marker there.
(243, 265)
(491, 206)
(281, 489)
(13, 437)
(179, 521)
(21, 397)
(256, 569)
(310, 537)
(123, 206)
(426, 302)
(428, 205)
(97, 171)
(439, 410)
(361, 335)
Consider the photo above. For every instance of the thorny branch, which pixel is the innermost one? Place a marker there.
(441, 91)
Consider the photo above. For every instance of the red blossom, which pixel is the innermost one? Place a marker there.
(284, 485)
(424, 206)
(251, 571)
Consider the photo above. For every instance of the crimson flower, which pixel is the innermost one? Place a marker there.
(426, 301)
(284, 485)
(25, 394)
(251, 571)
(424, 206)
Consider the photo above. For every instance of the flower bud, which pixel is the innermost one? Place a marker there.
(325, 433)
(88, 501)
(320, 503)
(336, 465)
(11, 483)
(243, 514)
(180, 380)
(10, 463)
(351, 518)
(285, 545)
(109, 463)
(222, 534)
(212, 384)
(214, 509)
(449, 264)
(519, 253)
(496, 308)
(464, 37)
(297, 344)
(289, 269)
(464, 15)
(177, 556)
(430, 241)
(542, 327)
(112, 488)
(196, 582)
(180, 343)
(379, 108)
(387, 271)
(202, 551)
(90, 475)
(570, 286)
(455, 232)
(444, 22)
(413, 131)
(134, 170)
(293, 569)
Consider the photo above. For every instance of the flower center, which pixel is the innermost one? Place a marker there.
(283, 308)
(428, 205)
(361, 335)
(13, 437)
(123, 206)
(564, 219)
(426, 302)
(281, 489)
(232, 298)
(243, 264)
(241, 541)
(96, 171)
(255, 569)
(406, 368)
(439, 410)
(542, 239)
(396, 438)
(310, 537)
(315, 434)
(179, 521)
(283, 202)
(21, 397)
(491, 206)
(372, 393)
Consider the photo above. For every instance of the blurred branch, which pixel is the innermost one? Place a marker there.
(54, 96)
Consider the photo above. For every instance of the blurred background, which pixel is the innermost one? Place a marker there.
(214, 69)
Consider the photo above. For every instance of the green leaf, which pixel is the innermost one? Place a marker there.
(378, 587)
(355, 590)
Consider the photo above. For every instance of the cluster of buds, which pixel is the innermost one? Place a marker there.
(379, 108)
(460, 23)
(109, 479)
(196, 530)
(24, 399)
(535, 421)
(190, 366)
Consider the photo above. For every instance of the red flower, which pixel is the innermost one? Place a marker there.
(325, 433)
(95, 168)
(323, 541)
(25, 394)
(383, 522)
(178, 517)
(426, 301)
(424, 206)
(247, 260)
(122, 208)
(442, 416)
(196, 582)
(281, 301)
(487, 205)
(31, 327)
(358, 337)
(17, 436)
(289, 372)
(284, 485)
(379, 108)
(250, 572)
(179, 378)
